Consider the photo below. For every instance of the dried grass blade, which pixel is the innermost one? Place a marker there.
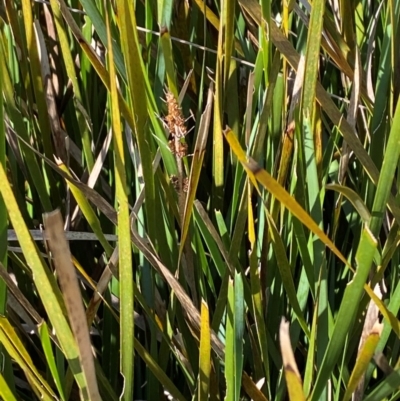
(205, 354)
(73, 299)
(197, 164)
(292, 374)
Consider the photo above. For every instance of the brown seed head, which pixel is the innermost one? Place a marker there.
(175, 120)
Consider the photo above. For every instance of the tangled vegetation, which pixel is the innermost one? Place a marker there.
(199, 200)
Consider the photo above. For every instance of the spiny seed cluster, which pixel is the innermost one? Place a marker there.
(177, 130)
(177, 148)
(175, 120)
(175, 183)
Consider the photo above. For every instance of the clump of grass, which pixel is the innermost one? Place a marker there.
(255, 258)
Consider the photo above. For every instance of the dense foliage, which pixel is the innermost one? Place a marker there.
(199, 200)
